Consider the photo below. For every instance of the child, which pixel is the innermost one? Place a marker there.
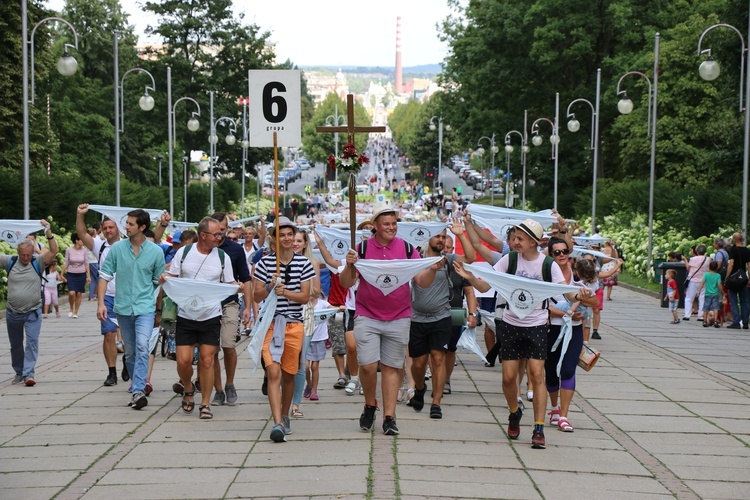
(317, 351)
(714, 290)
(673, 295)
(54, 278)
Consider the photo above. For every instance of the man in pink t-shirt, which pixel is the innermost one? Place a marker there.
(381, 323)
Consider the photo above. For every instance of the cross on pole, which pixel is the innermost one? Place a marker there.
(350, 130)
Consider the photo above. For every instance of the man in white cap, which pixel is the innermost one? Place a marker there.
(527, 337)
(381, 323)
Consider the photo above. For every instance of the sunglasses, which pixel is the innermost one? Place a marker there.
(558, 253)
(234, 239)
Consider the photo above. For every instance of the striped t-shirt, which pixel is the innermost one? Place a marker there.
(293, 274)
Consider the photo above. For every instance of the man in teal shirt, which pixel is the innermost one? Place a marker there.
(138, 264)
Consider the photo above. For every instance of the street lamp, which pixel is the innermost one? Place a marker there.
(554, 139)
(709, 70)
(213, 140)
(524, 151)
(574, 125)
(192, 126)
(439, 128)
(244, 144)
(146, 103)
(66, 66)
(625, 106)
(493, 150)
(336, 120)
(159, 158)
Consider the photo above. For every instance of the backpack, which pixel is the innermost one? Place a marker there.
(221, 258)
(363, 249)
(34, 263)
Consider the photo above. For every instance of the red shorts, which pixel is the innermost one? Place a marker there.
(600, 296)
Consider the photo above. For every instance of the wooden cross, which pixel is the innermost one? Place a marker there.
(350, 130)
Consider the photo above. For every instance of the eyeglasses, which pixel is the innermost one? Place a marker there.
(234, 239)
(558, 253)
(215, 235)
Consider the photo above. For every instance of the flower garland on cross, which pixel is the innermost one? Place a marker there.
(350, 160)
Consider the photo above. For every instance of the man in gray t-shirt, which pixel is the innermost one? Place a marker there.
(24, 310)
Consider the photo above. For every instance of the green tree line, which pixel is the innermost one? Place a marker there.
(72, 144)
(508, 56)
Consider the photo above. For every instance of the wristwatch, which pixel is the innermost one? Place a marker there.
(473, 314)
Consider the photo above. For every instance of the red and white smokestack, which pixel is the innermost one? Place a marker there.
(399, 74)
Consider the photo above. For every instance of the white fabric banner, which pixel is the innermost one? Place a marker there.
(522, 294)
(175, 226)
(498, 227)
(468, 343)
(120, 214)
(587, 241)
(543, 217)
(241, 222)
(154, 339)
(332, 217)
(419, 233)
(14, 231)
(566, 334)
(579, 251)
(195, 296)
(388, 275)
(337, 242)
(258, 333)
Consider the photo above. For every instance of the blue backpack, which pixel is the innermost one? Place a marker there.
(34, 263)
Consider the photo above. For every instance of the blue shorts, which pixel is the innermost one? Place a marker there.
(109, 326)
(711, 303)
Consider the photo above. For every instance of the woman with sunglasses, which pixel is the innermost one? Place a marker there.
(562, 388)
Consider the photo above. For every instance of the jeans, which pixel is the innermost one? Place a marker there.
(744, 306)
(24, 360)
(136, 333)
(94, 271)
(299, 377)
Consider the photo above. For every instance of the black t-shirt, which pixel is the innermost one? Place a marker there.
(740, 255)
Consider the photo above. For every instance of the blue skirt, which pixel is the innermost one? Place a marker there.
(76, 282)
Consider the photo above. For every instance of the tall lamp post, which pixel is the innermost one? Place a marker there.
(146, 103)
(66, 66)
(524, 151)
(159, 158)
(336, 120)
(574, 125)
(554, 139)
(244, 143)
(439, 128)
(709, 70)
(213, 140)
(493, 151)
(192, 126)
(625, 106)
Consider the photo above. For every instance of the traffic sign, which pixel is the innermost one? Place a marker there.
(275, 107)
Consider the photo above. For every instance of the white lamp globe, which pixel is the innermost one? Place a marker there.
(625, 106)
(526, 149)
(537, 140)
(574, 125)
(213, 139)
(480, 151)
(554, 139)
(67, 65)
(508, 148)
(193, 125)
(245, 144)
(448, 128)
(146, 102)
(432, 126)
(231, 139)
(494, 150)
(709, 69)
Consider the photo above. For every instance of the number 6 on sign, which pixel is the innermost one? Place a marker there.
(275, 107)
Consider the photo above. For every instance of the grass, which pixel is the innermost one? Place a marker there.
(639, 281)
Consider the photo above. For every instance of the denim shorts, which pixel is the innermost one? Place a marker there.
(711, 303)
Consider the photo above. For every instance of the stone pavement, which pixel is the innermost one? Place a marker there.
(664, 414)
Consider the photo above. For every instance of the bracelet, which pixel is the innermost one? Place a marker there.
(51, 237)
(576, 297)
(563, 232)
(164, 225)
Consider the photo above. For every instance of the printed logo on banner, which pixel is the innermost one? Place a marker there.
(522, 299)
(386, 281)
(420, 234)
(12, 237)
(195, 304)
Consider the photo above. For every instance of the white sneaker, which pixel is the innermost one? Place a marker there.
(352, 387)
(70, 314)
(529, 395)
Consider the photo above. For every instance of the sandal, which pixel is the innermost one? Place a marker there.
(564, 425)
(554, 416)
(205, 412)
(297, 413)
(188, 406)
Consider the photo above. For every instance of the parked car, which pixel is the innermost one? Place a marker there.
(289, 174)
(462, 171)
(304, 164)
(268, 189)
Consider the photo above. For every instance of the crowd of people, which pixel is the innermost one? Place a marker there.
(390, 308)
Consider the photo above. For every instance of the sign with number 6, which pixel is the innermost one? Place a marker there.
(275, 107)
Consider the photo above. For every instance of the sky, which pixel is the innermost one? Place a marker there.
(335, 32)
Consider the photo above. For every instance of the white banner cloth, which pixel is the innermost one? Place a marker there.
(337, 242)
(388, 275)
(522, 294)
(543, 217)
(175, 226)
(258, 333)
(587, 241)
(195, 296)
(15, 231)
(120, 214)
(419, 233)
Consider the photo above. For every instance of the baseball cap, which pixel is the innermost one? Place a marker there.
(176, 237)
(382, 208)
(532, 228)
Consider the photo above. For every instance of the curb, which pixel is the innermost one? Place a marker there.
(638, 289)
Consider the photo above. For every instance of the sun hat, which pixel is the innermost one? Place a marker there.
(532, 228)
(382, 208)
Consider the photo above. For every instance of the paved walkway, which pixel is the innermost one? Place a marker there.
(664, 414)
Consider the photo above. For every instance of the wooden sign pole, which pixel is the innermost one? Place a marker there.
(350, 130)
(276, 200)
